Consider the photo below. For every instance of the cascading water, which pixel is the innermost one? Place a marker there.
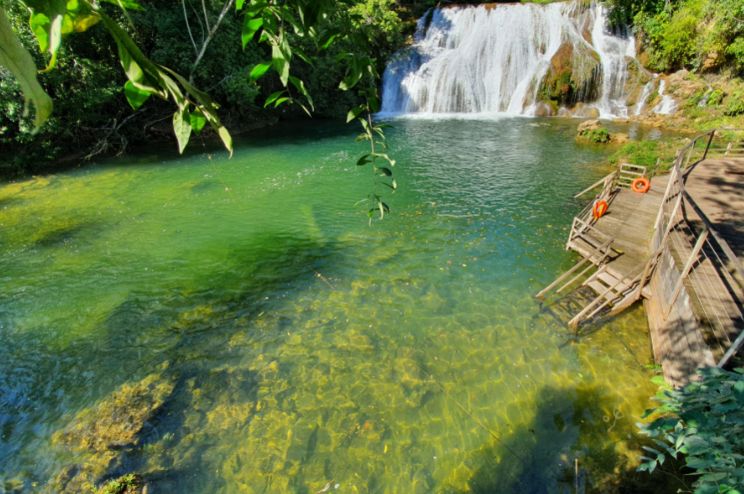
(667, 105)
(507, 58)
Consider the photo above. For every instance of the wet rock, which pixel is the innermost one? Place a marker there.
(619, 138)
(573, 75)
(583, 110)
(117, 421)
(543, 109)
(588, 125)
(592, 131)
(100, 435)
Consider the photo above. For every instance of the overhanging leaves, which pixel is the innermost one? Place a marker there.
(18, 61)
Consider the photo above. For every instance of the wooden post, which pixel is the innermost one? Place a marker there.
(710, 139)
(732, 350)
(560, 278)
(686, 270)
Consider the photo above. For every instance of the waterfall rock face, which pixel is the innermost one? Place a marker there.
(519, 59)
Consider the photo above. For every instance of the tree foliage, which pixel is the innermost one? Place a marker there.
(261, 56)
(693, 34)
(704, 424)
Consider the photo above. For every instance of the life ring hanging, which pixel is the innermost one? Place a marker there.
(640, 185)
(599, 209)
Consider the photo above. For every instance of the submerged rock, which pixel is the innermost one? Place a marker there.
(100, 435)
(117, 421)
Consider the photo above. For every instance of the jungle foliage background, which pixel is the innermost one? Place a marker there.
(92, 117)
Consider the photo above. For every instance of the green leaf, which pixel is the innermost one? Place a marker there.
(39, 24)
(226, 139)
(259, 70)
(239, 4)
(136, 95)
(281, 64)
(197, 120)
(354, 113)
(281, 100)
(182, 128)
(364, 160)
(383, 170)
(250, 28)
(55, 33)
(329, 42)
(273, 97)
(18, 60)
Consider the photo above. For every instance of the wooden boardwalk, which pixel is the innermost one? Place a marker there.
(630, 222)
(717, 186)
(671, 247)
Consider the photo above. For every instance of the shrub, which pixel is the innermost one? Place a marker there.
(599, 136)
(735, 104)
(704, 424)
(716, 97)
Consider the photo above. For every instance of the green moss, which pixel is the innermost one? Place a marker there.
(126, 484)
(600, 136)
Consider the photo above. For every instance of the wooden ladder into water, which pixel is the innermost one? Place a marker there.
(612, 291)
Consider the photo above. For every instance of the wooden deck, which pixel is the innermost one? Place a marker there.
(689, 328)
(630, 222)
(678, 246)
(717, 186)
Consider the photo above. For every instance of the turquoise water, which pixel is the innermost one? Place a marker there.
(293, 346)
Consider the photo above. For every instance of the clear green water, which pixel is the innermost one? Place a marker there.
(304, 346)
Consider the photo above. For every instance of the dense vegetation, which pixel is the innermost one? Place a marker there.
(701, 35)
(704, 424)
(92, 116)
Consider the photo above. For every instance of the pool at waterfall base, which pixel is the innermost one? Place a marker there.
(237, 325)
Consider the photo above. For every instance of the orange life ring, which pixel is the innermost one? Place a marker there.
(640, 185)
(599, 209)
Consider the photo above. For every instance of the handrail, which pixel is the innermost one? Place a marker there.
(596, 184)
(667, 218)
(727, 250)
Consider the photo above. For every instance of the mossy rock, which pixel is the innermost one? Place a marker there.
(116, 421)
(126, 484)
(573, 75)
(100, 435)
(593, 131)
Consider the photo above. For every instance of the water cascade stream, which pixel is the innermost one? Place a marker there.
(518, 59)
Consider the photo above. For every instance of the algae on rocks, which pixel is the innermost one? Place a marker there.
(99, 436)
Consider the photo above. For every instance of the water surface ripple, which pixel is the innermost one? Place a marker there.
(300, 347)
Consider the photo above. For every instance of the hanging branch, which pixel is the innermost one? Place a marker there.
(211, 31)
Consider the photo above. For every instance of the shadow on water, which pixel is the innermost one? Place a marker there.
(572, 445)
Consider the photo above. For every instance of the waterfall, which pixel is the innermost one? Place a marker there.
(667, 105)
(647, 88)
(510, 58)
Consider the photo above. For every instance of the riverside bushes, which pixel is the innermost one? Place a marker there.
(702, 35)
(703, 423)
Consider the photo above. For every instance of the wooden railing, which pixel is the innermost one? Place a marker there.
(693, 249)
(727, 143)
